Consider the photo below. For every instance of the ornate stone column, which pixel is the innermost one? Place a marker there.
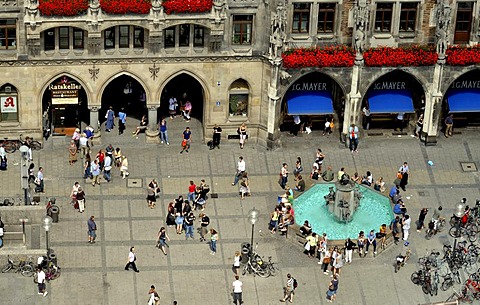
(94, 122)
(152, 130)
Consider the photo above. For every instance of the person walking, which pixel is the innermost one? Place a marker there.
(289, 289)
(107, 168)
(332, 289)
(405, 171)
(353, 136)
(421, 219)
(122, 120)
(83, 142)
(162, 240)
(406, 221)
(172, 107)
(349, 245)
(110, 116)
(154, 298)
(236, 262)
(163, 132)
(283, 175)
(237, 291)
(40, 187)
(217, 135)
(131, 260)
(242, 132)
(367, 118)
(95, 170)
(80, 197)
(186, 140)
(449, 126)
(204, 222)
(41, 282)
(72, 153)
(241, 167)
(124, 167)
(213, 241)
(92, 229)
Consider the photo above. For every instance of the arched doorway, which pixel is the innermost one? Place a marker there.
(313, 98)
(183, 87)
(393, 100)
(124, 92)
(64, 104)
(462, 99)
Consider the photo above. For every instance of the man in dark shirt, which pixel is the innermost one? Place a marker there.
(186, 140)
(300, 186)
(217, 135)
(204, 222)
(189, 225)
(92, 228)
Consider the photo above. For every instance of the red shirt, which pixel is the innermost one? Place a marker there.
(192, 188)
(101, 157)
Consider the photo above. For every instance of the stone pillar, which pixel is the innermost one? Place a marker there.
(94, 122)
(152, 130)
(352, 104)
(433, 107)
(273, 98)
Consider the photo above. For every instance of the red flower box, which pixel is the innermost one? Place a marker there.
(463, 56)
(187, 6)
(318, 57)
(120, 7)
(62, 7)
(404, 56)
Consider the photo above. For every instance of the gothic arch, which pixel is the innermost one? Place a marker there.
(420, 79)
(77, 78)
(455, 76)
(121, 73)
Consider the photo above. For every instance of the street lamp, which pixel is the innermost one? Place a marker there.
(47, 224)
(24, 172)
(252, 217)
(459, 211)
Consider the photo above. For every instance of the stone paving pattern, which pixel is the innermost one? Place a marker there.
(93, 274)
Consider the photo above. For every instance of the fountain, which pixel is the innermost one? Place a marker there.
(343, 199)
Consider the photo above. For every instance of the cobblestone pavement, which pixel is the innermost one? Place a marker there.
(93, 273)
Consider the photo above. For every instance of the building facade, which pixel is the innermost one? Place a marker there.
(60, 71)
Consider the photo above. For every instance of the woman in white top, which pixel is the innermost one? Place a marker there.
(236, 262)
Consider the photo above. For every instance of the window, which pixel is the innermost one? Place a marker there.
(184, 35)
(109, 38)
(242, 29)
(63, 38)
(408, 17)
(78, 41)
(238, 98)
(123, 37)
(8, 34)
(326, 18)
(301, 17)
(170, 38)
(383, 17)
(49, 39)
(198, 36)
(463, 23)
(138, 34)
(8, 100)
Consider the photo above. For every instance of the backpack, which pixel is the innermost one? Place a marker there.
(295, 283)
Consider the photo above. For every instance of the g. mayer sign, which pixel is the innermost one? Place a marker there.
(64, 92)
(466, 84)
(309, 86)
(389, 86)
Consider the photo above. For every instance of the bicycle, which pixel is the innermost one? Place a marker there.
(252, 266)
(449, 280)
(402, 260)
(431, 231)
(271, 267)
(469, 229)
(34, 145)
(10, 146)
(25, 267)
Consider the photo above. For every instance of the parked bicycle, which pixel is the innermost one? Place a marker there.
(25, 267)
(402, 259)
(434, 228)
(13, 145)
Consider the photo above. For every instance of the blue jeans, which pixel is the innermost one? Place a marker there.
(189, 231)
(237, 177)
(213, 245)
(191, 197)
(284, 181)
(107, 175)
(164, 136)
(353, 144)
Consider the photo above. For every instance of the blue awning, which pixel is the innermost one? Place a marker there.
(390, 101)
(464, 100)
(309, 102)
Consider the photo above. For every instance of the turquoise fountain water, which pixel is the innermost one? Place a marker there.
(374, 210)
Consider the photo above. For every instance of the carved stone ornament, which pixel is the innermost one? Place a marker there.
(154, 71)
(278, 34)
(218, 10)
(94, 72)
(11, 3)
(360, 18)
(443, 16)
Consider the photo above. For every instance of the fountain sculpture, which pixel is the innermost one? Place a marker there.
(343, 199)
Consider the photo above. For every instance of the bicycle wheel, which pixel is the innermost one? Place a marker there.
(466, 296)
(473, 233)
(455, 232)
(56, 274)
(261, 272)
(471, 268)
(7, 268)
(415, 278)
(446, 284)
(27, 270)
(9, 146)
(245, 269)
(272, 269)
(35, 145)
(441, 225)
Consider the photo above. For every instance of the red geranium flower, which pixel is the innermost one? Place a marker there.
(463, 56)
(403, 56)
(62, 7)
(187, 6)
(339, 56)
(118, 7)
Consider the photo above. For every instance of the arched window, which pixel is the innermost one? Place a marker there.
(239, 94)
(8, 100)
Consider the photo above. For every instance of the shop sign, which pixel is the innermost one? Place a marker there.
(389, 86)
(9, 104)
(466, 84)
(309, 86)
(64, 92)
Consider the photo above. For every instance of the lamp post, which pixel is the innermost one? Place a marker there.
(24, 172)
(47, 224)
(459, 210)
(252, 217)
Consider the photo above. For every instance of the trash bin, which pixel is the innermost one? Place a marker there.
(53, 258)
(245, 252)
(54, 211)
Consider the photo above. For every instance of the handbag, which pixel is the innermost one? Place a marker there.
(326, 260)
(307, 246)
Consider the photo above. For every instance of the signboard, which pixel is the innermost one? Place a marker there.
(466, 84)
(9, 104)
(389, 86)
(64, 92)
(309, 86)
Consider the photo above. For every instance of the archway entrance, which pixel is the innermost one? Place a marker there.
(184, 88)
(64, 104)
(394, 101)
(310, 101)
(124, 92)
(462, 99)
